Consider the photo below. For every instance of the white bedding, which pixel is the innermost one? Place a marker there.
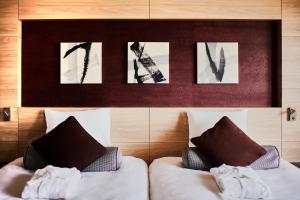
(170, 181)
(130, 182)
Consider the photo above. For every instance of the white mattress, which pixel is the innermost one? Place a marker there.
(170, 181)
(130, 182)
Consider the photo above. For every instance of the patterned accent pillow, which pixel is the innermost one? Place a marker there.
(270, 160)
(110, 161)
(193, 159)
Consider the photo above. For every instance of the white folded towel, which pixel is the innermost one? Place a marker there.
(240, 182)
(52, 183)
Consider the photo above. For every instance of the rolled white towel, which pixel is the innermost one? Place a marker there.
(52, 183)
(240, 182)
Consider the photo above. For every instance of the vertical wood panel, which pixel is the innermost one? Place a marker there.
(9, 18)
(215, 9)
(291, 151)
(165, 149)
(139, 150)
(130, 124)
(291, 129)
(88, 9)
(291, 17)
(9, 32)
(8, 151)
(8, 71)
(9, 129)
(291, 62)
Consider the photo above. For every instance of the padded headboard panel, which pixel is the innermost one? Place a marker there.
(150, 133)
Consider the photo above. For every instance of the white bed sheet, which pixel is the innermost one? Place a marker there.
(130, 182)
(170, 181)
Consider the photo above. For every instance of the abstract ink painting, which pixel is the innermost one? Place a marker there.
(148, 62)
(217, 62)
(81, 63)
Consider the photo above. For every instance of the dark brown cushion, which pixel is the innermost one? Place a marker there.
(69, 145)
(225, 143)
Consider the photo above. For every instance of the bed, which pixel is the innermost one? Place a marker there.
(130, 182)
(170, 181)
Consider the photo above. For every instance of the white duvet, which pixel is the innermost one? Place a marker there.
(130, 182)
(170, 181)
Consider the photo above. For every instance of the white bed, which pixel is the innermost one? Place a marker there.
(170, 181)
(130, 182)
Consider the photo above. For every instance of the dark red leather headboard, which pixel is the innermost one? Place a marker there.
(258, 63)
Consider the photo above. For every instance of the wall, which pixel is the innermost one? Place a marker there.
(257, 40)
(291, 77)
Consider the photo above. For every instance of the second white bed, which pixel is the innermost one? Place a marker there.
(170, 181)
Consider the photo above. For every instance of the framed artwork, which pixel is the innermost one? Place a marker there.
(148, 62)
(217, 63)
(81, 63)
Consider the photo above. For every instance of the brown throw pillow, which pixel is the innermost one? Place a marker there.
(226, 143)
(69, 145)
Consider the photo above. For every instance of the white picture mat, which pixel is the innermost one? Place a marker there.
(159, 52)
(204, 72)
(71, 67)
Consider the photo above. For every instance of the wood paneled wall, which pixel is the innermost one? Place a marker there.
(290, 77)
(9, 36)
(215, 9)
(289, 12)
(150, 133)
(86, 9)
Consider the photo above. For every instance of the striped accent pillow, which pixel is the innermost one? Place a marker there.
(193, 159)
(270, 160)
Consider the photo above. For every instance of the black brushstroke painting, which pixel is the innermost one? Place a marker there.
(218, 72)
(87, 47)
(148, 63)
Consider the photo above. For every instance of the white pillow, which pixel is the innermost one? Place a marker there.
(201, 120)
(96, 122)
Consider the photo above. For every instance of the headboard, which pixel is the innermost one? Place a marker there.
(150, 133)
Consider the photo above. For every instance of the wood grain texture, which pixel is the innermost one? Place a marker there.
(88, 9)
(32, 124)
(264, 124)
(290, 62)
(139, 150)
(290, 17)
(8, 151)
(130, 125)
(168, 125)
(291, 151)
(290, 129)
(215, 9)
(9, 25)
(165, 149)
(171, 124)
(8, 71)
(9, 129)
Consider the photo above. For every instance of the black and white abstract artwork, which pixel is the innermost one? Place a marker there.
(81, 63)
(217, 62)
(148, 62)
